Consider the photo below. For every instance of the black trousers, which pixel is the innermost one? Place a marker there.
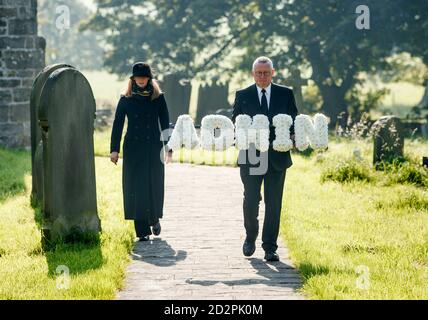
(273, 189)
(142, 228)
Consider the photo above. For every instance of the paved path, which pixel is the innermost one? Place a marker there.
(198, 255)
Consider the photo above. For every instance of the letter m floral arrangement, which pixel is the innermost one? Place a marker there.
(247, 130)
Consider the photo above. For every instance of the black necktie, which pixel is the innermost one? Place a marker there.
(264, 103)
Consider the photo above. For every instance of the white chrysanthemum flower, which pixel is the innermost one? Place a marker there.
(184, 134)
(313, 134)
(226, 138)
(242, 123)
(254, 130)
(282, 124)
(261, 125)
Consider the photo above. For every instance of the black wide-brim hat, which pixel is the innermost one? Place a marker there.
(141, 69)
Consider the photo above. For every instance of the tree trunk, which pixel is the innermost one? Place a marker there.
(423, 104)
(334, 105)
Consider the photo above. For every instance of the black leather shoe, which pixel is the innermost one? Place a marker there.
(248, 248)
(156, 229)
(145, 238)
(271, 256)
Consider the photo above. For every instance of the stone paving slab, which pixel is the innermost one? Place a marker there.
(198, 255)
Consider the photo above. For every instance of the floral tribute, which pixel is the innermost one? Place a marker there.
(249, 131)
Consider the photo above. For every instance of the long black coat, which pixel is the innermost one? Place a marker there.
(143, 171)
(281, 102)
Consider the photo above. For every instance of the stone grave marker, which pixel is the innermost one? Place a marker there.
(36, 134)
(210, 99)
(388, 139)
(66, 116)
(177, 96)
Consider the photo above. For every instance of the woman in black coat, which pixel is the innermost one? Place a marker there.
(144, 150)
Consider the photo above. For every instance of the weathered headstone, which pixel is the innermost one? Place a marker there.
(36, 134)
(297, 82)
(424, 130)
(210, 99)
(423, 104)
(66, 116)
(177, 96)
(388, 139)
(104, 118)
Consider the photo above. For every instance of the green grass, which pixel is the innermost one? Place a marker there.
(27, 272)
(332, 229)
(14, 165)
(102, 142)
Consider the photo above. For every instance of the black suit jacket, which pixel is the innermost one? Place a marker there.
(281, 102)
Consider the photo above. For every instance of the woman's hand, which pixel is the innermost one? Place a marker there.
(114, 157)
(168, 157)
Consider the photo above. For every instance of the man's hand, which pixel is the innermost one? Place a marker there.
(114, 157)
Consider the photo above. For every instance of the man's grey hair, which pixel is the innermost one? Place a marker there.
(262, 59)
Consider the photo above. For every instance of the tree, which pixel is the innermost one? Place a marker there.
(80, 49)
(411, 35)
(221, 37)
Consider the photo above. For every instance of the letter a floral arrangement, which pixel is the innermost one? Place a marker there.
(247, 130)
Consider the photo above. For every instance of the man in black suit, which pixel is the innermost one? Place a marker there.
(264, 97)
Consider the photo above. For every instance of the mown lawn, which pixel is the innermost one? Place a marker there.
(356, 240)
(26, 272)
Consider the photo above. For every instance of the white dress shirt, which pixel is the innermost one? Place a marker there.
(267, 93)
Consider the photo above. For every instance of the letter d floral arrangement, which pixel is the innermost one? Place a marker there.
(308, 132)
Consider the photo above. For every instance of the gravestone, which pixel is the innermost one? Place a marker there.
(177, 96)
(423, 104)
(36, 134)
(104, 118)
(388, 139)
(210, 99)
(66, 116)
(22, 56)
(297, 82)
(424, 130)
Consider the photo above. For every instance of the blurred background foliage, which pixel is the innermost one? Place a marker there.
(377, 71)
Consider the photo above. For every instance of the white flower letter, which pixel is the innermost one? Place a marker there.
(282, 124)
(208, 139)
(184, 134)
(313, 134)
(252, 131)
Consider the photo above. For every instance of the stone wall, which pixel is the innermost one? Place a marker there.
(22, 57)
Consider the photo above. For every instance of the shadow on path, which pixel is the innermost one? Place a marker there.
(275, 274)
(157, 252)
